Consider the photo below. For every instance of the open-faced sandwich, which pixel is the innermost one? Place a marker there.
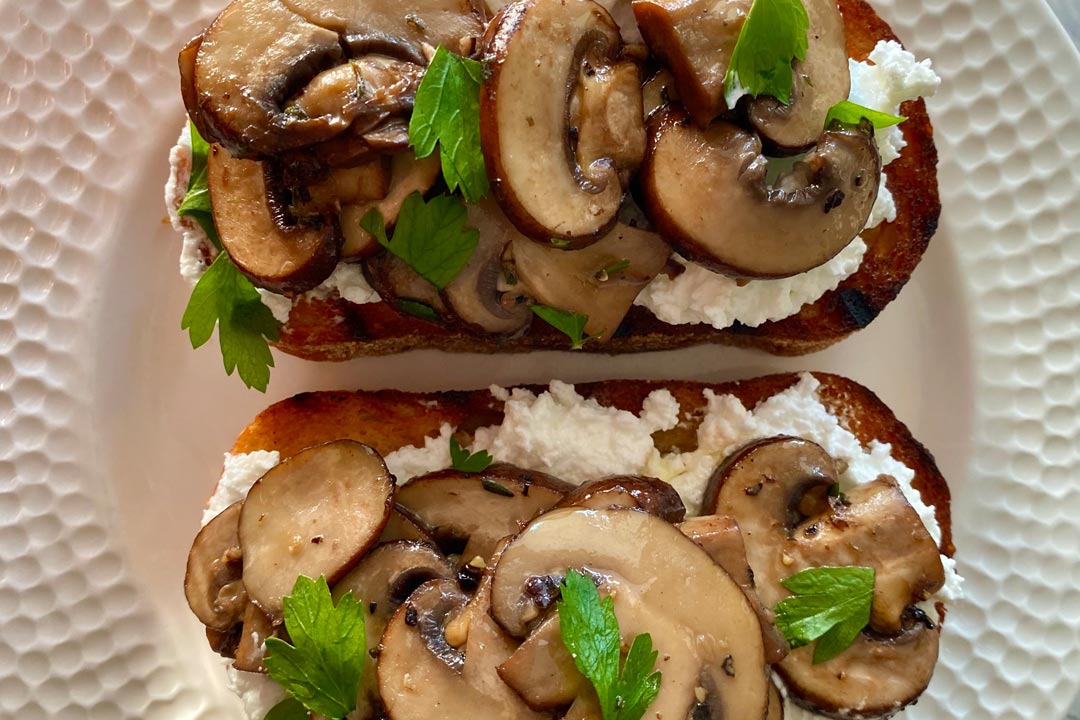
(778, 547)
(372, 176)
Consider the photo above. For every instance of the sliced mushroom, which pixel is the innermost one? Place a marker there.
(776, 704)
(408, 174)
(719, 536)
(314, 514)
(706, 192)
(560, 117)
(650, 495)
(658, 91)
(477, 295)
(251, 650)
(401, 286)
(402, 527)
(422, 677)
(382, 581)
(274, 251)
(541, 670)
(600, 281)
(401, 28)
(695, 38)
(821, 80)
(661, 583)
(366, 182)
(253, 57)
(777, 489)
(469, 513)
(213, 584)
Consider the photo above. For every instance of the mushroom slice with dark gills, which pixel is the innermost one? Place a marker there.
(650, 495)
(213, 583)
(661, 583)
(821, 80)
(468, 514)
(600, 281)
(479, 295)
(561, 118)
(695, 38)
(422, 676)
(314, 514)
(777, 489)
(274, 249)
(706, 191)
(402, 287)
(382, 581)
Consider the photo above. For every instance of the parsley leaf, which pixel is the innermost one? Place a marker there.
(848, 112)
(417, 309)
(288, 709)
(225, 298)
(830, 605)
(196, 202)
(467, 462)
(590, 632)
(772, 36)
(569, 323)
(430, 236)
(447, 113)
(323, 666)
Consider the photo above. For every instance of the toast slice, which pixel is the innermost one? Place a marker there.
(334, 329)
(389, 420)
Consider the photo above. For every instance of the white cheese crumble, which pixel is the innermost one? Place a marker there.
(698, 296)
(349, 283)
(577, 439)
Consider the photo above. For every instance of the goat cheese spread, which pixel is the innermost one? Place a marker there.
(889, 77)
(577, 439)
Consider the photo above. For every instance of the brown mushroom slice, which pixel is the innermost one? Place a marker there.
(470, 513)
(658, 91)
(537, 51)
(361, 183)
(876, 677)
(186, 64)
(399, 286)
(402, 527)
(600, 281)
(706, 192)
(541, 670)
(650, 495)
(252, 58)
(708, 635)
(273, 256)
(422, 677)
(776, 704)
(314, 514)
(408, 174)
(695, 39)
(251, 650)
(402, 27)
(213, 583)
(720, 537)
(821, 80)
(382, 581)
(477, 295)
(876, 527)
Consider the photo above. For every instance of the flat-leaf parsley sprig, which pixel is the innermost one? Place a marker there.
(830, 605)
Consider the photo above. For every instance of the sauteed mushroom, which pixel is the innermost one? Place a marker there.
(213, 584)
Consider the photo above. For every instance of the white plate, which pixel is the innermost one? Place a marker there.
(113, 429)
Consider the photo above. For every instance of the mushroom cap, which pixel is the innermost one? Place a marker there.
(661, 583)
(650, 495)
(314, 514)
(278, 257)
(213, 583)
(821, 80)
(706, 192)
(538, 52)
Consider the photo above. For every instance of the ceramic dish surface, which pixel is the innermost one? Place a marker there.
(112, 429)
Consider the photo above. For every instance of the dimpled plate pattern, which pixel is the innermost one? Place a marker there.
(111, 430)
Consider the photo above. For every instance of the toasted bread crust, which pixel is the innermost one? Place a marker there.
(333, 329)
(388, 420)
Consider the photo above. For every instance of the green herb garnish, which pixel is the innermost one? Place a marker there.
(447, 114)
(417, 309)
(570, 324)
(467, 462)
(830, 605)
(223, 297)
(196, 204)
(848, 112)
(772, 37)
(590, 632)
(430, 236)
(606, 272)
(322, 667)
(288, 709)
